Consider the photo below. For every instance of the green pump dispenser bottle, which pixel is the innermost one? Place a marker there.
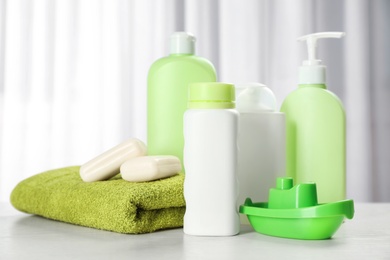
(167, 94)
(315, 129)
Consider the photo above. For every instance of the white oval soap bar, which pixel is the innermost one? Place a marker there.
(108, 163)
(149, 168)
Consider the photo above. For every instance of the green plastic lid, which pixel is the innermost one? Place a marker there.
(211, 95)
(293, 212)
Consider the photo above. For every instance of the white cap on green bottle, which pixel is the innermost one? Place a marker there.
(182, 43)
(311, 71)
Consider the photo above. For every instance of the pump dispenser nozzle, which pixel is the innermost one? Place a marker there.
(311, 71)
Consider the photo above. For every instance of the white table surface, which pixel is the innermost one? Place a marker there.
(22, 236)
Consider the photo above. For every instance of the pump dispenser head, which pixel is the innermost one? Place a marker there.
(254, 98)
(311, 71)
(182, 43)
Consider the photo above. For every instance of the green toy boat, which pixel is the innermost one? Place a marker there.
(293, 212)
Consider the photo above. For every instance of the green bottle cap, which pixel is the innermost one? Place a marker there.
(211, 95)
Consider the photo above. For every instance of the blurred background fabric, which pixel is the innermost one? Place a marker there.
(73, 73)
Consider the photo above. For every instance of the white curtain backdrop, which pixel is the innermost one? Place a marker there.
(73, 72)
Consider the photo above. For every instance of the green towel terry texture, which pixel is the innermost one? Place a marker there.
(114, 205)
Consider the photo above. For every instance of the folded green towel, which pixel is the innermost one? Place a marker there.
(115, 204)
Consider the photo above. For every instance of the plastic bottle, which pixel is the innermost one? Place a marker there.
(210, 159)
(315, 126)
(261, 142)
(168, 81)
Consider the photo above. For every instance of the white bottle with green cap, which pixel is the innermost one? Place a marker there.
(210, 161)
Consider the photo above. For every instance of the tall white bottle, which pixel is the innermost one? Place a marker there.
(261, 143)
(210, 161)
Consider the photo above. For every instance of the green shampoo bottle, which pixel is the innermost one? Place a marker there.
(167, 94)
(315, 129)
